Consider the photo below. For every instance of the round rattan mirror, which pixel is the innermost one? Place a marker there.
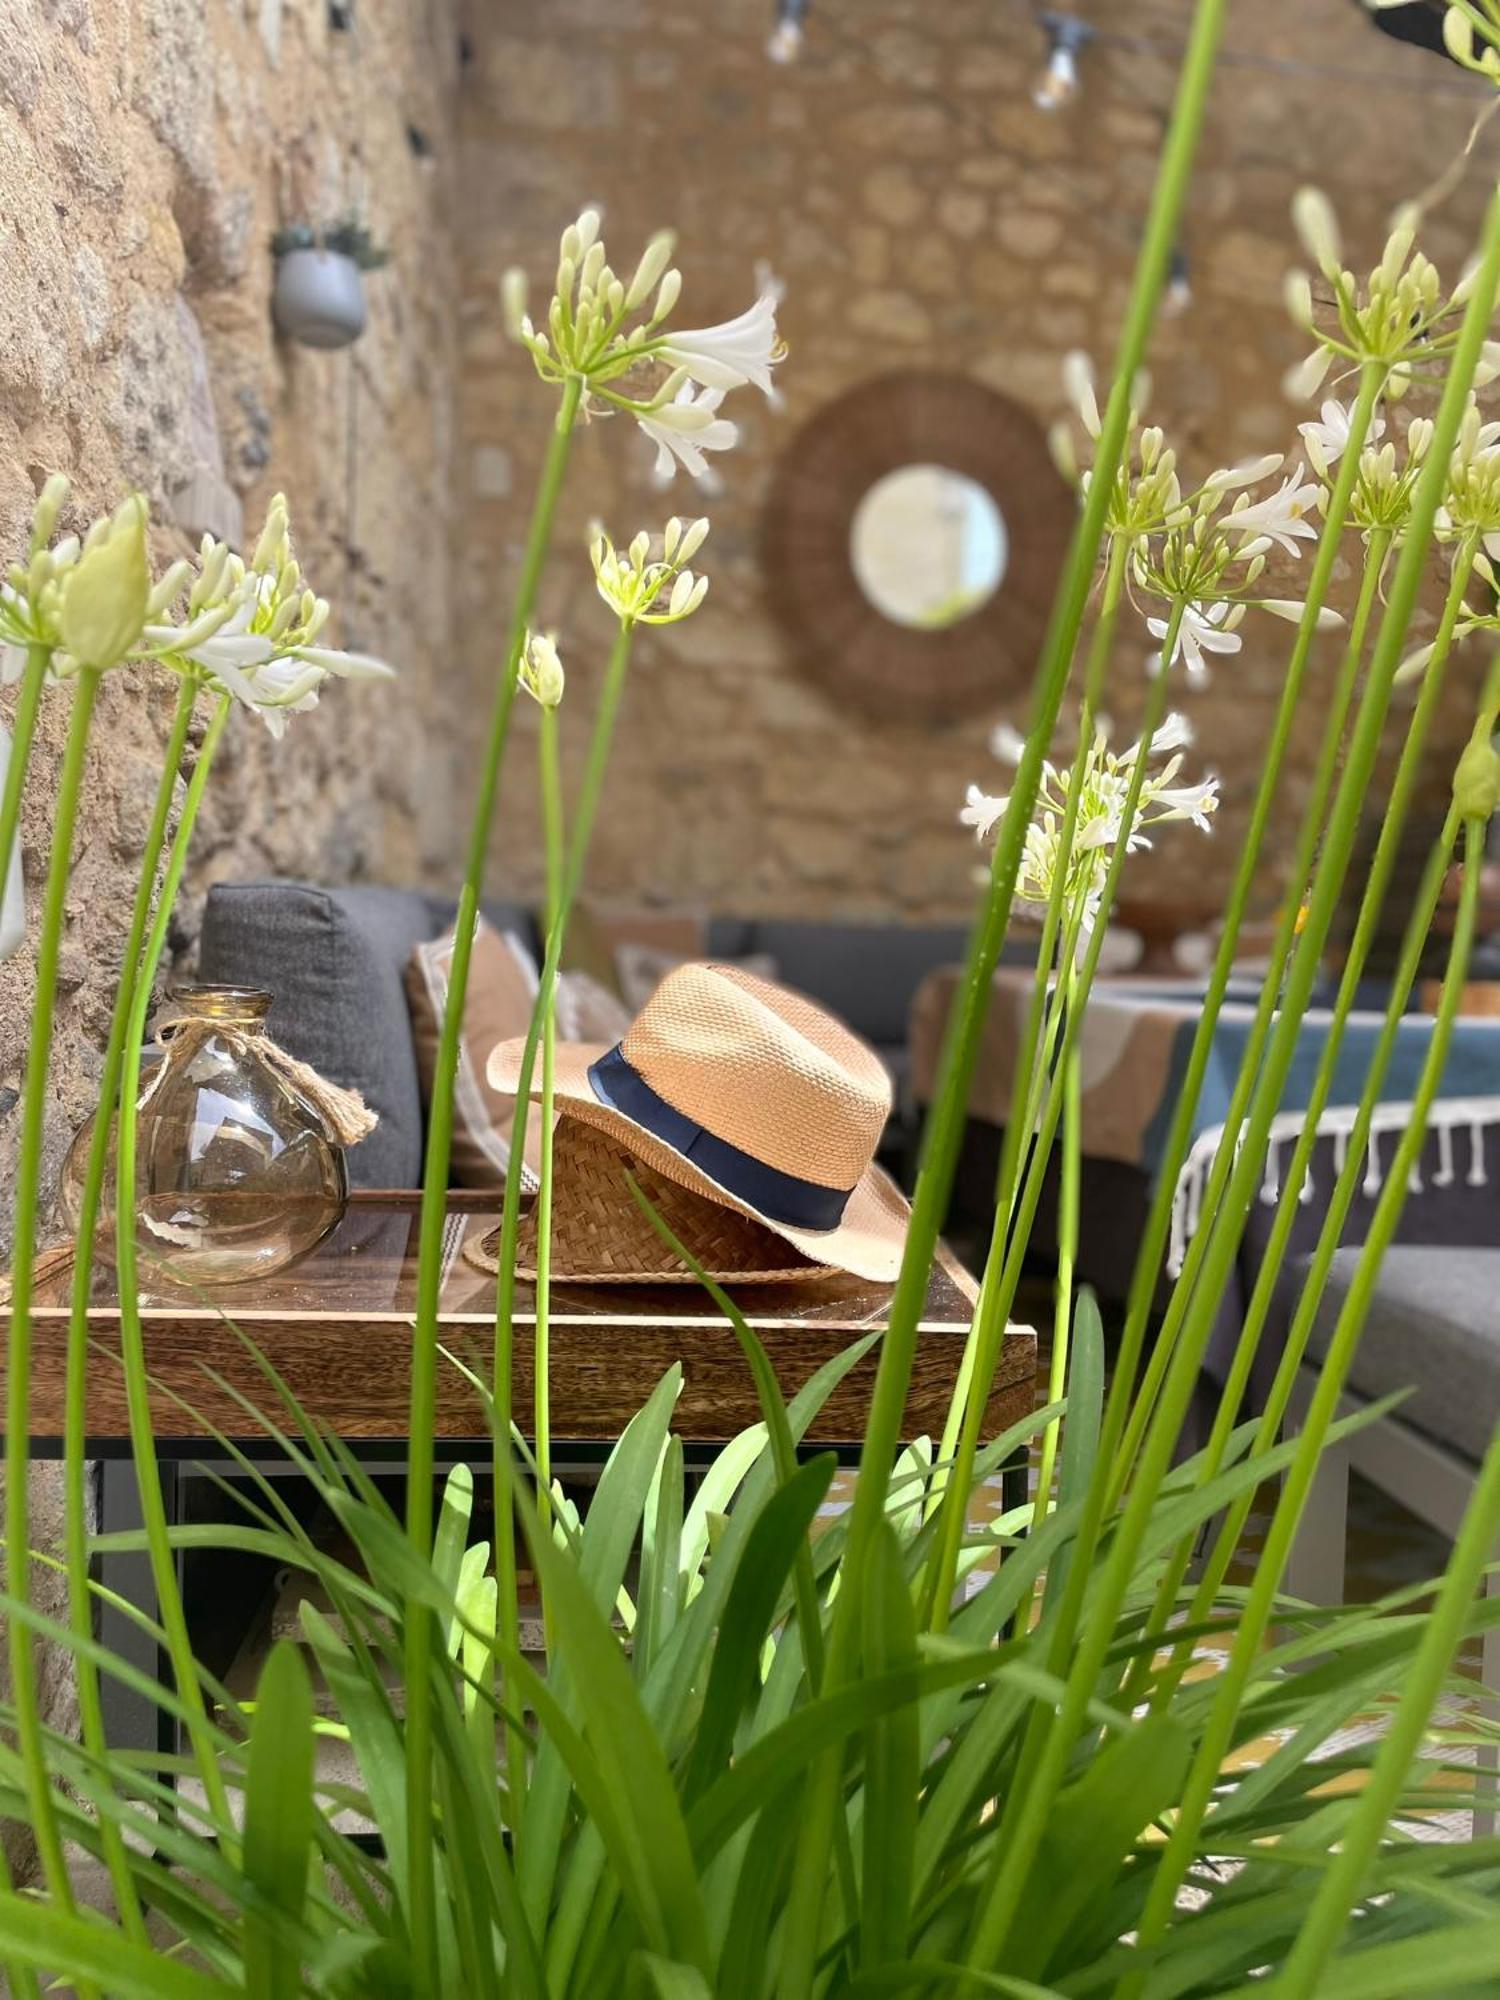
(914, 534)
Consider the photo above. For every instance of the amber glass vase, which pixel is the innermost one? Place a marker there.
(237, 1175)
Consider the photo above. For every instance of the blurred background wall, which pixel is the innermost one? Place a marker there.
(148, 150)
(922, 212)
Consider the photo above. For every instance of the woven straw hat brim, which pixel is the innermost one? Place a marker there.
(869, 1241)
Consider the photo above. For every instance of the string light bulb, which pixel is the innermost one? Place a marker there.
(1067, 37)
(785, 44)
(1178, 295)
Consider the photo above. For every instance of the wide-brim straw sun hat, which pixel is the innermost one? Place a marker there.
(747, 1095)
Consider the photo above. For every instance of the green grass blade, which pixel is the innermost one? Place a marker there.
(779, 1535)
(660, 1595)
(278, 1824)
(1094, 1825)
(41, 1937)
(653, 1978)
(625, 1745)
(893, 1750)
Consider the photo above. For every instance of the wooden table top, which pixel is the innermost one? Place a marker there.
(337, 1329)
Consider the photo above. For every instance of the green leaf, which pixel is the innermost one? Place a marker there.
(654, 1978)
(40, 1936)
(625, 1745)
(278, 1823)
(780, 1532)
(374, 1734)
(893, 1752)
(453, 1525)
(660, 1593)
(1093, 1826)
(604, 1550)
(1436, 1962)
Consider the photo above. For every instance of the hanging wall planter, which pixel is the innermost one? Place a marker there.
(319, 295)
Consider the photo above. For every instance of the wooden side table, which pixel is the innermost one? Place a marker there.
(337, 1328)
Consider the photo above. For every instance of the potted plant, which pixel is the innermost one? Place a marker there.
(319, 296)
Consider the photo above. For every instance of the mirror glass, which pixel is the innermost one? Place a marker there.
(928, 546)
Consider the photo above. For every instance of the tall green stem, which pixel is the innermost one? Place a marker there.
(552, 829)
(1379, 1798)
(1050, 1736)
(1178, 1388)
(132, 1338)
(1030, 1075)
(1393, 825)
(76, 1526)
(1067, 1253)
(1122, 1400)
(596, 764)
(29, 1727)
(23, 730)
(1226, 1541)
(961, 1044)
(1261, 1598)
(1008, 1245)
(420, 1632)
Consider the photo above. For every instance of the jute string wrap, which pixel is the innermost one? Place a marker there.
(348, 1118)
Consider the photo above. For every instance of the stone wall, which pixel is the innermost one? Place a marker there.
(148, 149)
(920, 211)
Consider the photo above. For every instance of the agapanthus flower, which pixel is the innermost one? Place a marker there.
(81, 603)
(687, 428)
(1326, 437)
(614, 340)
(1202, 628)
(1401, 318)
(1146, 496)
(1279, 518)
(738, 351)
(253, 631)
(541, 669)
(651, 590)
(1211, 558)
(1471, 505)
(1099, 826)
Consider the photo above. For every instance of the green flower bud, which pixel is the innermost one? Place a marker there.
(50, 503)
(1476, 782)
(650, 270)
(104, 599)
(541, 670)
(513, 301)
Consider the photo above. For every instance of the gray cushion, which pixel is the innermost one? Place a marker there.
(333, 959)
(1434, 1328)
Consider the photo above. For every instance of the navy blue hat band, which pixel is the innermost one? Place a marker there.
(780, 1197)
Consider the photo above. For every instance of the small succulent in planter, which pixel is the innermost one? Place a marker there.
(319, 296)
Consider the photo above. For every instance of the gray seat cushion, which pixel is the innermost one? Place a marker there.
(333, 959)
(1434, 1328)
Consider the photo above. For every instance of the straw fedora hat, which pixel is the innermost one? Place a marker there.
(750, 1097)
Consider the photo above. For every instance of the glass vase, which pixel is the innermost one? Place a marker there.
(237, 1174)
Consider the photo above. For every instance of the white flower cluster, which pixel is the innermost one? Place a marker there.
(644, 590)
(80, 602)
(608, 335)
(249, 630)
(1401, 318)
(1202, 551)
(1099, 826)
(252, 629)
